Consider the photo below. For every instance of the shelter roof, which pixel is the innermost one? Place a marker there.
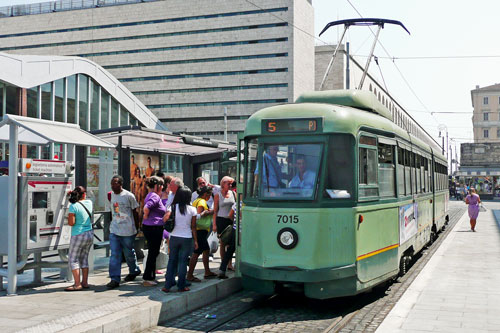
(41, 132)
(27, 71)
(139, 138)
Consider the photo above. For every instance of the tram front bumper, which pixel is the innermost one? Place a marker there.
(292, 274)
(318, 283)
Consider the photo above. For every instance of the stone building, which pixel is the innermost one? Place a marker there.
(486, 116)
(186, 60)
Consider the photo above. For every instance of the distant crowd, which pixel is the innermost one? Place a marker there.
(172, 215)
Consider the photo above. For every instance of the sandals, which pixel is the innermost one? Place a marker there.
(193, 279)
(85, 286)
(230, 269)
(184, 289)
(73, 288)
(165, 290)
(211, 275)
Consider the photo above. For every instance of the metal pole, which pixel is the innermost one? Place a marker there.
(333, 59)
(369, 58)
(442, 146)
(12, 211)
(225, 123)
(347, 68)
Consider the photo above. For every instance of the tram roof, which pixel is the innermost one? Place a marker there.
(336, 119)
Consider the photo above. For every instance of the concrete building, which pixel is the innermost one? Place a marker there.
(486, 116)
(186, 60)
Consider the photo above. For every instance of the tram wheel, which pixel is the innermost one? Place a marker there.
(404, 265)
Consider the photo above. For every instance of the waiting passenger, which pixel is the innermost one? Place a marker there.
(304, 179)
(123, 229)
(82, 236)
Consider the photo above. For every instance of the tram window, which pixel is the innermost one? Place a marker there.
(251, 165)
(401, 172)
(386, 170)
(290, 171)
(368, 172)
(340, 175)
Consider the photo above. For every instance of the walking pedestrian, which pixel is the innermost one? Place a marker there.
(152, 227)
(473, 201)
(123, 229)
(181, 239)
(82, 235)
(202, 230)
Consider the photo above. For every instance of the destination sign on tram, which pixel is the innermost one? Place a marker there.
(309, 125)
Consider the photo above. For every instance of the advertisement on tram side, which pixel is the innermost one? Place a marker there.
(408, 225)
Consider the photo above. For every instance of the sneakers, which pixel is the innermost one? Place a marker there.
(131, 277)
(113, 284)
(149, 283)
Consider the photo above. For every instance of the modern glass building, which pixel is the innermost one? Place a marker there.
(188, 61)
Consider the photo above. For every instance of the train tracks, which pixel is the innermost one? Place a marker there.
(249, 312)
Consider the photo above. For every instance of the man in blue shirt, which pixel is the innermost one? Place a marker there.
(272, 175)
(304, 179)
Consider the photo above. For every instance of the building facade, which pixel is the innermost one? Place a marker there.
(188, 61)
(486, 115)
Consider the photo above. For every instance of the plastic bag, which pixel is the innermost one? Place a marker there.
(213, 242)
(161, 260)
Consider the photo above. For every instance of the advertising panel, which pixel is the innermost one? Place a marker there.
(142, 166)
(408, 225)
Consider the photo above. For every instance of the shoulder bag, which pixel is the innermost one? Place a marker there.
(169, 225)
(90, 215)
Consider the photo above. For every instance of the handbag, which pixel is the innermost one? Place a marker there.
(169, 225)
(225, 235)
(205, 222)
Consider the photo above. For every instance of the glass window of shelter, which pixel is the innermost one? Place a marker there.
(32, 102)
(94, 105)
(46, 100)
(104, 109)
(83, 100)
(59, 100)
(71, 103)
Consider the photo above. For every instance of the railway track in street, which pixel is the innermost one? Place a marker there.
(247, 311)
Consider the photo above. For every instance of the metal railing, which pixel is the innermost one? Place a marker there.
(61, 5)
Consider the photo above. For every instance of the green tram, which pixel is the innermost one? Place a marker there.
(336, 198)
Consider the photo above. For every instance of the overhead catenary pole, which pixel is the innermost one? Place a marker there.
(370, 57)
(332, 60)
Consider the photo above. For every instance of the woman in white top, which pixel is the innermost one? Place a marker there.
(181, 239)
(223, 202)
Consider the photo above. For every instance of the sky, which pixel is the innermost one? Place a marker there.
(431, 72)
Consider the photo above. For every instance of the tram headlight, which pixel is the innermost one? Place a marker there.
(288, 238)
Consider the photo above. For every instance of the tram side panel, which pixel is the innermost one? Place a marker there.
(377, 241)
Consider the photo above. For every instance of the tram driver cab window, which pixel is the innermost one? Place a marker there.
(289, 171)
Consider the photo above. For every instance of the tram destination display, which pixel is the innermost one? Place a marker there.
(302, 125)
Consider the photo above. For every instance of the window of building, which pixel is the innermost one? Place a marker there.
(498, 133)
(485, 116)
(486, 133)
(485, 100)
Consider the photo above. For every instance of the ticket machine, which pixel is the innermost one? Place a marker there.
(42, 215)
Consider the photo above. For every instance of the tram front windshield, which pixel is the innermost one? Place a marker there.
(289, 171)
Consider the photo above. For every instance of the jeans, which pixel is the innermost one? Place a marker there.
(154, 236)
(180, 249)
(117, 245)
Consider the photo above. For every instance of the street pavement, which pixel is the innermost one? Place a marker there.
(129, 308)
(457, 291)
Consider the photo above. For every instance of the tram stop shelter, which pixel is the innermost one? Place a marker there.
(31, 131)
(195, 151)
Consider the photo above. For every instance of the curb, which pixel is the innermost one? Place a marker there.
(140, 312)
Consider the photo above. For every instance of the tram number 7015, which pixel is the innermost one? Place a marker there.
(288, 218)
